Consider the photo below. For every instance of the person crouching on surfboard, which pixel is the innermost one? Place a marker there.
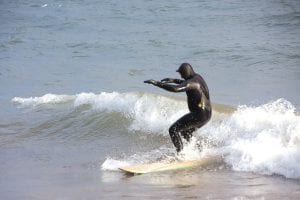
(198, 103)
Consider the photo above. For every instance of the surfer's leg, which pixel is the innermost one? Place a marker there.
(175, 137)
(183, 127)
(191, 121)
(187, 134)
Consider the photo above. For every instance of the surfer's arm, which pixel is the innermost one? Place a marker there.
(171, 88)
(172, 80)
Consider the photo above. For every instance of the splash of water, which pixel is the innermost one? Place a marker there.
(263, 139)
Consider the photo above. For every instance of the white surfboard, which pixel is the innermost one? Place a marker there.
(176, 165)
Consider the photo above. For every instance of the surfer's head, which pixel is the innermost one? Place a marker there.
(186, 71)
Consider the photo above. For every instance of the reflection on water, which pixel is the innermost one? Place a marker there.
(203, 184)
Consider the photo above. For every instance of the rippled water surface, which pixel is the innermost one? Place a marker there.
(74, 107)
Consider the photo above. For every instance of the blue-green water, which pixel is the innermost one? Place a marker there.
(74, 107)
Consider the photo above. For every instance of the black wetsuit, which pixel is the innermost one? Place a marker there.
(198, 103)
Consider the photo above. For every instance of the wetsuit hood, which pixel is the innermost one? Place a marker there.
(186, 71)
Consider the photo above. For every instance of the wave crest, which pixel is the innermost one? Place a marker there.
(46, 99)
(263, 139)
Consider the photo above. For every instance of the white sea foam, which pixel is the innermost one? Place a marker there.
(113, 164)
(263, 139)
(155, 114)
(149, 113)
(46, 99)
(163, 154)
(110, 102)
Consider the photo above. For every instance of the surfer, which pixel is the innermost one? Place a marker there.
(198, 103)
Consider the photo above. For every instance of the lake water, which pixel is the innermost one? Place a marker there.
(74, 107)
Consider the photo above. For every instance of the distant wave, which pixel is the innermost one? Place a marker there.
(46, 99)
(263, 139)
(149, 112)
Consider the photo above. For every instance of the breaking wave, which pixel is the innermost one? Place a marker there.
(264, 139)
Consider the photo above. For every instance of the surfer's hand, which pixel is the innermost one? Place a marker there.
(151, 81)
(167, 80)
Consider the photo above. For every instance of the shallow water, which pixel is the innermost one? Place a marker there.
(74, 107)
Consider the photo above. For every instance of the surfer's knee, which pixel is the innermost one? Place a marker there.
(173, 131)
(175, 137)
